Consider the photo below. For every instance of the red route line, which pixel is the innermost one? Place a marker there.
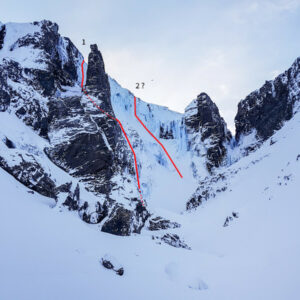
(82, 73)
(122, 128)
(155, 138)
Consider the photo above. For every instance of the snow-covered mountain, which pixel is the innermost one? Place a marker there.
(68, 173)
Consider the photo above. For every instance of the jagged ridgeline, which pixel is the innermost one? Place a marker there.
(64, 148)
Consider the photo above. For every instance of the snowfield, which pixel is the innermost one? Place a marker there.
(49, 253)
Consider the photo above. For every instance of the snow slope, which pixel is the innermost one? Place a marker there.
(47, 253)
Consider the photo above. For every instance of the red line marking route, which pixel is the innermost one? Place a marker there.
(155, 138)
(121, 126)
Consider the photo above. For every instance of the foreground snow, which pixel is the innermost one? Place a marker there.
(46, 253)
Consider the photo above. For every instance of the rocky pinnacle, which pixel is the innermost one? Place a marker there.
(97, 79)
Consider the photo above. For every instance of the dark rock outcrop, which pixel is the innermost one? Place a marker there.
(230, 219)
(9, 143)
(266, 109)
(111, 263)
(123, 221)
(81, 140)
(94, 215)
(60, 60)
(158, 223)
(165, 133)
(118, 221)
(172, 240)
(25, 168)
(207, 131)
(72, 201)
(2, 35)
(92, 145)
(96, 78)
(208, 188)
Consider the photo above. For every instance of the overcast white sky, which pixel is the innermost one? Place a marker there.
(179, 48)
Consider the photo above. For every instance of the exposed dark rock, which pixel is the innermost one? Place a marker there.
(26, 168)
(91, 160)
(9, 143)
(228, 219)
(96, 215)
(82, 140)
(91, 147)
(266, 109)
(119, 222)
(111, 263)
(60, 58)
(72, 200)
(172, 240)
(58, 71)
(120, 271)
(64, 188)
(2, 35)
(30, 173)
(94, 147)
(140, 216)
(165, 133)
(235, 214)
(123, 222)
(207, 189)
(205, 126)
(97, 79)
(97, 84)
(107, 264)
(4, 89)
(158, 223)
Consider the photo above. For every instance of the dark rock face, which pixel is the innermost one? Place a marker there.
(2, 35)
(97, 79)
(120, 272)
(59, 71)
(158, 223)
(4, 89)
(172, 240)
(266, 109)
(92, 145)
(96, 216)
(140, 216)
(208, 189)
(72, 201)
(29, 172)
(123, 221)
(111, 264)
(205, 126)
(9, 143)
(118, 222)
(107, 264)
(165, 133)
(230, 219)
(79, 139)
(60, 58)
(85, 143)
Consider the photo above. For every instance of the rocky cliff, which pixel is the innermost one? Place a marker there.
(206, 130)
(43, 90)
(265, 110)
